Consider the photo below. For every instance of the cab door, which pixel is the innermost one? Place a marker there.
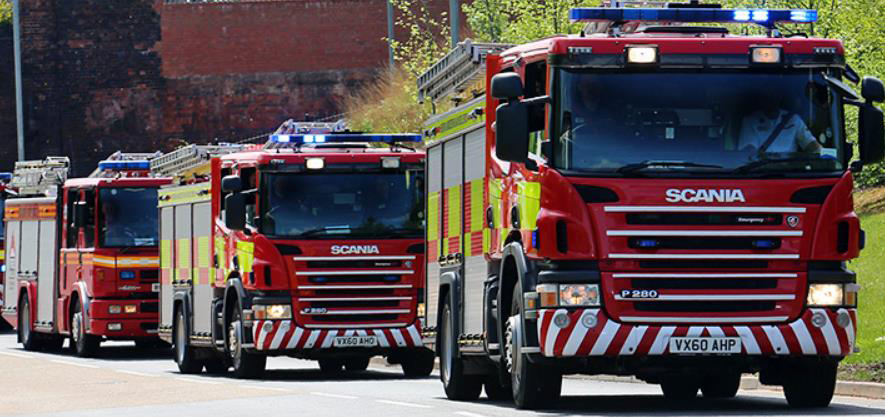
(69, 257)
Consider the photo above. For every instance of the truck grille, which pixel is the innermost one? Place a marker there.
(694, 264)
(356, 291)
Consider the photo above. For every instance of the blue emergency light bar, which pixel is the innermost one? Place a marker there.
(343, 137)
(5, 176)
(764, 17)
(123, 165)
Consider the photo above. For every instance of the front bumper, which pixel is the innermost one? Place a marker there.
(143, 323)
(608, 338)
(272, 335)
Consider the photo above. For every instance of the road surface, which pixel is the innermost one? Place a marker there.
(130, 382)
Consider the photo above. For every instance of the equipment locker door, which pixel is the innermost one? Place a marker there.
(47, 282)
(167, 265)
(183, 263)
(202, 289)
(453, 202)
(13, 236)
(475, 267)
(434, 230)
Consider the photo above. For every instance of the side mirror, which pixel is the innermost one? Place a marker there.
(232, 184)
(506, 86)
(235, 211)
(512, 131)
(81, 211)
(872, 89)
(871, 132)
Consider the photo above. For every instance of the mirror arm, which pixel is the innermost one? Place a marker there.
(537, 100)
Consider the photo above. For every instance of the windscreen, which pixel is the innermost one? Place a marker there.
(376, 205)
(127, 217)
(735, 123)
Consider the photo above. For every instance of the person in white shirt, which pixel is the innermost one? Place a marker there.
(757, 128)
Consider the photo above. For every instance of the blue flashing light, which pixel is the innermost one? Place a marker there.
(127, 274)
(3, 268)
(764, 244)
(765, 17)
(5, 176)
(123, 165)
(535, 238)
(646, 243)
(345, 137)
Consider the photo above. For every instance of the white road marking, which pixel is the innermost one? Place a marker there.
(123, 371)
(199, 381)
(18, 355)
(413, 405)
(75, 364)
(326, 394)
(260, 387)
(468, 414)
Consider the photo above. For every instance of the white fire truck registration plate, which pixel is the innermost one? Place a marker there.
(355, 341)
(155, 287)
(705, 345)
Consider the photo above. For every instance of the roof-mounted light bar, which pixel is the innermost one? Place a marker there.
(124, 165)
(5, 176)
(344, 137)
(764, 17)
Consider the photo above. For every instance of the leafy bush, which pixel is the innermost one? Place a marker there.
(387, 106)
(5, 12)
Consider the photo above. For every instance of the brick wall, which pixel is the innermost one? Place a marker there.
(7, 99)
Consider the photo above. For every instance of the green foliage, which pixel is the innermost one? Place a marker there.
(5, 12)
(426, 40)
(870, 332)
(520, 21)
(388, 105)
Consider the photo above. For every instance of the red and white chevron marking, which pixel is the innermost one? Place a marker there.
(610, 338)
(285, 335)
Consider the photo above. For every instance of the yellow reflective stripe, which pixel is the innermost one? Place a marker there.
(221, 255)
(477, 216)
(486, 240)
(105, 261)
(456, 122)
(245, 256)
(183, 194)
(184, 258)
(454, 208)
(203, 252)
(165, 253)
(529, 204)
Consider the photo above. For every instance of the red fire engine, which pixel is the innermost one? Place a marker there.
(310, 247)
(82, 254)
(4, 179)
(646, 198)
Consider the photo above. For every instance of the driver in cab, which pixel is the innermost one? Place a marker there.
(774, 130)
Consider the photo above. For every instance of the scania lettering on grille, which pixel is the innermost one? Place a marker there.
(355, 249)
(691, 195)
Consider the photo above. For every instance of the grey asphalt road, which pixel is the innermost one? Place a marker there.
(131, 382)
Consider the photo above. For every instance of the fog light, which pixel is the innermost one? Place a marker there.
(843, 319)
(589, 320)
(561, 320)
(390, 162)
(315, 163)
(130, 309)
(421, 310)
(825, 295)
(115, 327)
(766, 55)
(114, 309)
(642, 54)
(272, 312)
(268, 326)
(819, 319)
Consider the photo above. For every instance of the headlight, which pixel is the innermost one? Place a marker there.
(114, 309)
(830, 295)
(130, 309)
(272, 312)
(579, 295)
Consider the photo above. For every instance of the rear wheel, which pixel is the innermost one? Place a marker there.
(330, 366)
(185, 356)
(418, 364)
(457, 384)
(25, 328)
(247, 365)
(85, 345)
(721, 386)
(496, 391)
(811, 386)
(215, 366)
(356, 364)
(53, 343)
(532, 385)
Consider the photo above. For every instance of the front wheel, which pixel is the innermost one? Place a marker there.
(356, 364)
(330, 366)
(811, 386)
(185, 356)
(532, 386)
(680, 389)
(25, 327)
(457, 384)
(85, 345)
(247, 365)
(418, 364)
(721, 386)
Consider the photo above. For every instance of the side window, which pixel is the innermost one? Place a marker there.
(89, 229)
(224, 172)
(535, 85)
(250, 185)
(72, 196)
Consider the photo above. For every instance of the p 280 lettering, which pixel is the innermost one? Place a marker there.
(639, 294)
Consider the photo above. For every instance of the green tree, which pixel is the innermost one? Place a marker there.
(5, 11)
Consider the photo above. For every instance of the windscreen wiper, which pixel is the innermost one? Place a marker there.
(750, 166)
(632, 168)
(326, 229)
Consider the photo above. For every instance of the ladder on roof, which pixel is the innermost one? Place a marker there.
(291, 127)
(454, 73)
(40, 177)
(191, 162)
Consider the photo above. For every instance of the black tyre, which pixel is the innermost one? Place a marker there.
(185, 354)
(356, 364)
(811, 386)
(85, 345)
(495, 390)
(418, 364)
(26, 335)
(532, 385)
(247, 365)
(53, 343)
(680, 389)
(331, 366)
(215, 366)
(457, 384)
(724, 385)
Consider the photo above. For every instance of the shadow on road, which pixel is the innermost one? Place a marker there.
(315, 375)
(644, 405)
(115, 353)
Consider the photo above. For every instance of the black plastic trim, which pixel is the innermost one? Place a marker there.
(569, 277)
(841, 274)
